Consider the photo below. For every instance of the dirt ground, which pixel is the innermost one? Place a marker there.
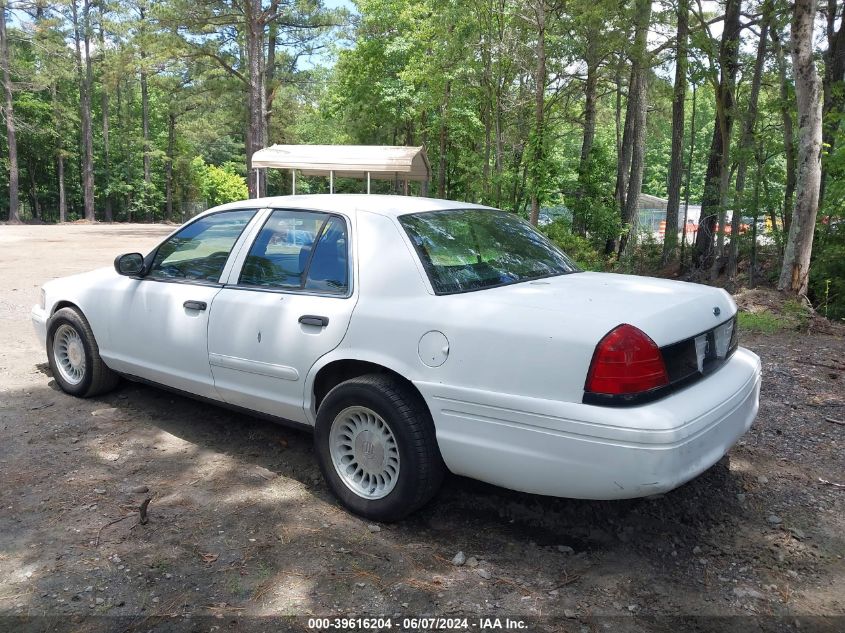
(241, 526)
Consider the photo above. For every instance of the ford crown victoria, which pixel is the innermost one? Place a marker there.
(418, 336)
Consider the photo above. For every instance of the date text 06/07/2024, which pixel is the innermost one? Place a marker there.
(418, 624)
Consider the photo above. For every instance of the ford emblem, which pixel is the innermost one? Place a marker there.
(716, 311)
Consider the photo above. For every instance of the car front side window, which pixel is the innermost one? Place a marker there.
(299, 250)
(199, 251)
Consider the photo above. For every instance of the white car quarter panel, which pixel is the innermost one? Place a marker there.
(583, 451)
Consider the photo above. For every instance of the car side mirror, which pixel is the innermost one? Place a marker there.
(129, 264)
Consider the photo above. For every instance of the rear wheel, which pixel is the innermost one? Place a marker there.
(74, 356)
(377, 448)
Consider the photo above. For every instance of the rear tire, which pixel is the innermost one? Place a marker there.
(377, 449)
(74, 356)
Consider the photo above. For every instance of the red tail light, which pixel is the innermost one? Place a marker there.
(626, 361)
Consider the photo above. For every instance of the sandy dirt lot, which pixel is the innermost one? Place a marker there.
(241, 526)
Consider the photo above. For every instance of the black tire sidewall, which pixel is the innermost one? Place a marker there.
(401, 500)
(71, 318)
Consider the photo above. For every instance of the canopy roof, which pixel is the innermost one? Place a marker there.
(351, 161)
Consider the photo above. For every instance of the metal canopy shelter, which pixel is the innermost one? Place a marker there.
(383, 162)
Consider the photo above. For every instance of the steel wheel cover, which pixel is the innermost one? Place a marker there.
(364, 452)
(69, 354)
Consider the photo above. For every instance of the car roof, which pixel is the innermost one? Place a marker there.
(349, 203)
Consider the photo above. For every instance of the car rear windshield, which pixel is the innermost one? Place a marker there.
(470, 249)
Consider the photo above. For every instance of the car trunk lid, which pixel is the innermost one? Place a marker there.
(667, 311)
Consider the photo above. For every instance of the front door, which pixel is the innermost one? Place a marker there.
(158, 329)
(288, 305)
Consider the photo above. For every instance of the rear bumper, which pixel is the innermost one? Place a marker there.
(589, 452)
(39, 318)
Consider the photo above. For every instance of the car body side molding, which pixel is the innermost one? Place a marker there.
(254, 367)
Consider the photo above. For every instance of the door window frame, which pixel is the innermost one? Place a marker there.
(233, 280)
(235, 250)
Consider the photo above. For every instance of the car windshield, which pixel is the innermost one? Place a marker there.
(470, 249)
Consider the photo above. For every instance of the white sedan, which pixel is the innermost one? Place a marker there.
(417, 336)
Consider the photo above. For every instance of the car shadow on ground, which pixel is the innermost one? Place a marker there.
(470, 506)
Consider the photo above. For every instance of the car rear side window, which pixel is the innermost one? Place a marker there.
(299, 250)
(470, 249)
(199, 251)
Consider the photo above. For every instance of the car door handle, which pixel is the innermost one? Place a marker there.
(310, 319)
(195, 305)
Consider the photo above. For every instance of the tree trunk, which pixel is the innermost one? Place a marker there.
(752, 267)
(255, 88)
(799, 246)
(9, 115)
(629, 186)
(635, 179)
(498, 155)
(444, 137)
(718, 167)
(581, 222)
(617, 113)
(168, 166)
(145, 131)
(123, 119)
(486, 114)
(773, 215)
(676, 160)
(107, 202)
(623, 163)
(269, 92)
(145, 124)
(85, 77)
(833, 89)
(60, 157)
(538, 155)
(746, 143)
(689, 177)
(33, 188)
(788, 133)
(60, 170)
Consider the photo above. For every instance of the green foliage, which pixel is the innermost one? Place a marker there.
(218, 185)
(590, 196)
(642, 256)
(827, 273)
(765, 322)
(797, 311)
(579, 249)
(790, 315)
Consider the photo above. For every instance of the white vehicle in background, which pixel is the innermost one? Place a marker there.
(418, 336)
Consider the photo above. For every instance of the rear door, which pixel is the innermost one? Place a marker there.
(287, 302)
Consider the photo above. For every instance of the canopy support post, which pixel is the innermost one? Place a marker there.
(331, 181)
(293, 181)
(406, 186)
(368, 182)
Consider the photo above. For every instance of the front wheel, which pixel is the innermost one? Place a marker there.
(74, 356)
(376, 447)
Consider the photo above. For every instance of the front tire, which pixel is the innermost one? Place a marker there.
(377, 448)
(74, 356)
